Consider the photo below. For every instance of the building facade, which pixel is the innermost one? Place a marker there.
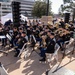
(4, 0)
(26, 7)
(5, 8)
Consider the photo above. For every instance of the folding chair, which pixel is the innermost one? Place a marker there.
(9, 39)
(50, 57)
(68, 46)
(70, 42)
(2, 70)
(24, 49)
(34, 45)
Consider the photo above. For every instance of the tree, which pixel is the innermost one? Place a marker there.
(40, 9)
(67, 6)
(67, 1)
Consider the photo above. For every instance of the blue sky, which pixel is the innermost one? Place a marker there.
(55, 5)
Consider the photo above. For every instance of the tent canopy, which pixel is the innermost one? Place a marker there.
(9, 17)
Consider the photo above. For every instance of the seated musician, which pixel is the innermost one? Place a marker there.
(62, 23)
(15, 33)
(17, 36)
(36, 34)
(2, 33)
(43, 45)
(28, 33)
(21, 41)
(32, 39)
(60, 40)
(71, 28)
(50, 45)
(71, 23)
(67, 36)
(63, 36)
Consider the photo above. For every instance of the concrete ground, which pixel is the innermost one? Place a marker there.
(31, 65)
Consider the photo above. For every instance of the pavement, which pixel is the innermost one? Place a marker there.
(31, 65)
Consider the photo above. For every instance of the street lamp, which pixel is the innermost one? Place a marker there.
(47, 8)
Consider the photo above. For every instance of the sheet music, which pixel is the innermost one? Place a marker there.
(8, 36)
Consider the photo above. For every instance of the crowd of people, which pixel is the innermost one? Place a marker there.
(35, 31)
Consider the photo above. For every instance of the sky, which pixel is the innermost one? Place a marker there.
(55, 5)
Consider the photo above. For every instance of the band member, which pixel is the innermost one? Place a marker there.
(50, 46)
(2, 33)
(15, 33)
(62, 23)
(21, 41)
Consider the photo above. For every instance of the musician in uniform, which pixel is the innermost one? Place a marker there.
(62, 23)
(21, 41)
(2, 33)
(15, 33)
(50, 45)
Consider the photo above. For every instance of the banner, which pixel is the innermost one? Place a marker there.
(47, 19)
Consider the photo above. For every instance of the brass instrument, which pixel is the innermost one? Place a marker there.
(61, 31)
(41, 33)
(44, 40)
(66, 26)
(56, 25)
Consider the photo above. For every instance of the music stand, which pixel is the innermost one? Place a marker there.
(9, 37)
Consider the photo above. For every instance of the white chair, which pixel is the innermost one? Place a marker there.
(24, 49)
(9, 38)
(69, 46)
(2, 70)
(51, 57)
(70, 42)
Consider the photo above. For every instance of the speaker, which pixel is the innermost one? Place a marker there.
(16, 13)
(67, 17)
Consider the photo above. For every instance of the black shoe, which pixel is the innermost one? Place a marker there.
(2, 45)
(14, 51)
(12, 46)
(42, 60)
(15, 55)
